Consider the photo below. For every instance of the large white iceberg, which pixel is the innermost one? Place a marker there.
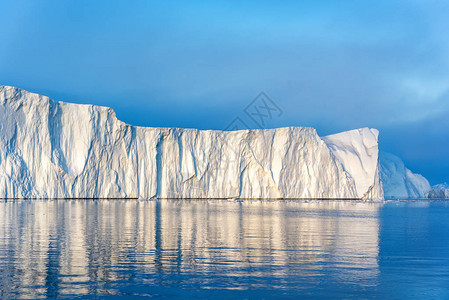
(51, 149)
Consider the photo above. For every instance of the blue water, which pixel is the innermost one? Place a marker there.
(224, 249)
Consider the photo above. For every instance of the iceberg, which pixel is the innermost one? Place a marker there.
(52, 149)
(439, 191)
(398, 181)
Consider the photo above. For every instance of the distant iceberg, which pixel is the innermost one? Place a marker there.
(51, 149)
(439, 191)
(400, 182)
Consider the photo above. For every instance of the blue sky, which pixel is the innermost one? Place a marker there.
(332, 65)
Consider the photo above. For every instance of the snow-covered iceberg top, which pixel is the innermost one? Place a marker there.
(51, 149)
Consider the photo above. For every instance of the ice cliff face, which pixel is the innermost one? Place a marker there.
(359, 152)
(400, 182)
(52, 149)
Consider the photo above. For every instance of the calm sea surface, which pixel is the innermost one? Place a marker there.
(224, 249)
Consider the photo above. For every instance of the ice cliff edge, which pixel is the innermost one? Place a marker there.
(51, 149)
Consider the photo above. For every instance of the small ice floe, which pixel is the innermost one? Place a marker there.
(235, 199)
(146, 199)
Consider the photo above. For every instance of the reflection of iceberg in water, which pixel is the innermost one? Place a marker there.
(81, 247)
(246, 237)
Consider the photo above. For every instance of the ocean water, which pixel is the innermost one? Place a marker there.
(224, 249)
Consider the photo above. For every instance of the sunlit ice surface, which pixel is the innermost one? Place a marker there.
(224, 249)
